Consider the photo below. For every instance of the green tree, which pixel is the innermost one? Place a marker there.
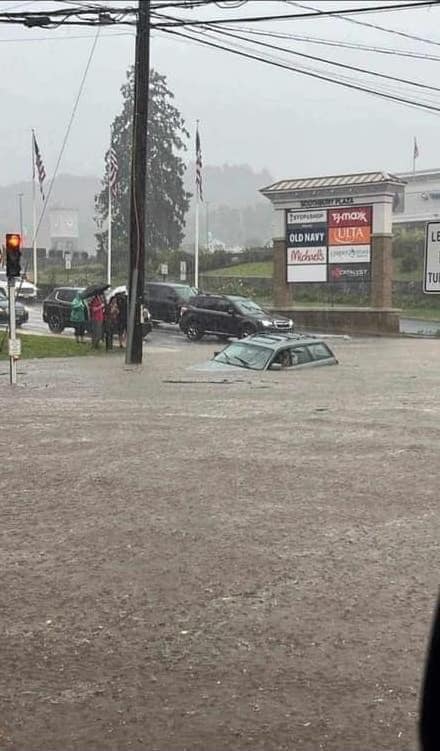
(167, 200)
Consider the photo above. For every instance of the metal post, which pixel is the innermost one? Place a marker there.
(12, 332)
(196, 245)
(138, 186)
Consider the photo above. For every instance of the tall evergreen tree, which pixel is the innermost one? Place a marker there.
(167, 200)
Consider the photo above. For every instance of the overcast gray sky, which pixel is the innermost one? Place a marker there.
(249, 112)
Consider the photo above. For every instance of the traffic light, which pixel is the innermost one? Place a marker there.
(13, 255)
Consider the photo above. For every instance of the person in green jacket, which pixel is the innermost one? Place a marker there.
(78, 316)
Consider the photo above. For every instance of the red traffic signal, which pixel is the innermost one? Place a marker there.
(13, 255)
(13, 242)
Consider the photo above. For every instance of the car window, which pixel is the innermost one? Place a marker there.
(206, 302)
(319, 351)
(186, 292)
(248, 307)
(299, 355)
(66, 295)
(222, 306)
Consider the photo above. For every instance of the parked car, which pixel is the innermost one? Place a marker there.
(57, 307)
(272, 352)
(164, 300)
(23, 289)
(226, 316)
(21, 314)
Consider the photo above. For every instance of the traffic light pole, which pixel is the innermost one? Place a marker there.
(12, 333)
(133, 353)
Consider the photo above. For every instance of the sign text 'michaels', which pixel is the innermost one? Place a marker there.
(306, 255)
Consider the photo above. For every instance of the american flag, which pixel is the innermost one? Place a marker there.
(39, 165)
(112, 162)
(416, 148)
(199, 187)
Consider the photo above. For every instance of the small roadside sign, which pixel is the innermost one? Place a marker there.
(14, 348)
(164, 269)
(182, 271)
(431, 275)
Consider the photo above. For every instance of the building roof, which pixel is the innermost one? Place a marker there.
(332, 181)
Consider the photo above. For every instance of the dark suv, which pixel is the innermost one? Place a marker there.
(57, 307)
(228, 315)
(164, 300)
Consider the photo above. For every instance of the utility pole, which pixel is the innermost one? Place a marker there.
(133, 353)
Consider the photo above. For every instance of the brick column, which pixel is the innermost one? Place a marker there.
(382, 271)
(282, 292)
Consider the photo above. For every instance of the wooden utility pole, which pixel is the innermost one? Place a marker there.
(138, 186)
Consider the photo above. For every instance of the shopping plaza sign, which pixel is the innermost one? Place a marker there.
(330, 245)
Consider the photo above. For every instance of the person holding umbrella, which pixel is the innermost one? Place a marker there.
(96, 311)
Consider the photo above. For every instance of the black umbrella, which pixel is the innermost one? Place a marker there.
(94, 289)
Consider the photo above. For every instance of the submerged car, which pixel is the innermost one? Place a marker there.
(272, 352)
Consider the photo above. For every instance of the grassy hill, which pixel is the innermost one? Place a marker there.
(264, 269)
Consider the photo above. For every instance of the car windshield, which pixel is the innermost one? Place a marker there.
(245, 355)
(186, 292)
(247, 307)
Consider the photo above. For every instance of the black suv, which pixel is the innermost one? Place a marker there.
(57, 307)
(228, 315)
(164, 300)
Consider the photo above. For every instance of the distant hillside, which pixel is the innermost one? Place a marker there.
(230, 185)
(70, 192)
(233, 211)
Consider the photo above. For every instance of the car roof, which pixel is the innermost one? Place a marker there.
(277, 341)
(57, 289)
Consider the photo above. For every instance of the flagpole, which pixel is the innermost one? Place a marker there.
(34, 214)
(109, 238)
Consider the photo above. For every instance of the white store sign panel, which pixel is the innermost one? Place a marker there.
(306, 217)
(302, 256)
(310, 273)
(349, 254)
(431, 276)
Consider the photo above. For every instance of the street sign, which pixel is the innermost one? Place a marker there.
(68, 261)
(164, 269)
(182, 271)
(431, 275)
(14, 348)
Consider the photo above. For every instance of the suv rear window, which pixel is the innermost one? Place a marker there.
(66, 295)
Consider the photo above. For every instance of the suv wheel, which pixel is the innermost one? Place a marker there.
(55, 323)
(193, 332)
(247, 330)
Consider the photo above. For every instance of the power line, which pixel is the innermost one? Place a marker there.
(354, 68)
(385, 29)
(319, 76)
(296, 16)
(336, 43)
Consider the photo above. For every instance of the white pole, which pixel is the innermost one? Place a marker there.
(109, 239)
(34, 214)
(12, 332)
(196, 245)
